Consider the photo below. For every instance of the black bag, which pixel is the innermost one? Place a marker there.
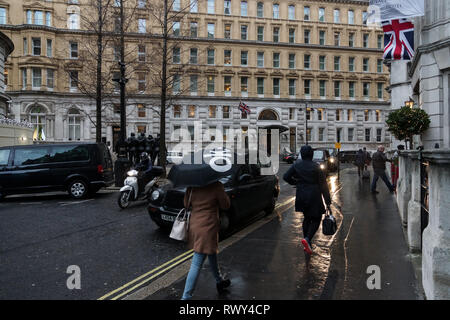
(366, 174)
(329, 225)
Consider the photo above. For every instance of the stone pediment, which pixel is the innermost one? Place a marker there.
(308, 75)
(193, 70)
(72, 65)
(292, 75)
(260, 73)
(381, 78)
(175, 70)
(228, 71)
(338, 76)
(33, 60)
(352, 77)
(244, 72)
(35, 5)
(323, 75)
(366, 78)
(211, 71)
(276, 74)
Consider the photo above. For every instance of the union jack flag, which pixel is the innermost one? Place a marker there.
(398, 39)
(243, 107)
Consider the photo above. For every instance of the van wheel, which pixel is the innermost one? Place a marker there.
(78, 189)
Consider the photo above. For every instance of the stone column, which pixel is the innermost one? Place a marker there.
(414, 208)
(404, 187)
(436, 236)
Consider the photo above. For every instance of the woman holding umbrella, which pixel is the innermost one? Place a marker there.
(206, 196)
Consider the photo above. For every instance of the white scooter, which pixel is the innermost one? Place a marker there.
(130, 191)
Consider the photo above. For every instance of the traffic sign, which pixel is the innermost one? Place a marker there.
(337, 145)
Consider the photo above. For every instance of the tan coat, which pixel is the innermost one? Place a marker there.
(204, 223)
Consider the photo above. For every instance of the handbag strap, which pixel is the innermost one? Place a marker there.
(189, 201)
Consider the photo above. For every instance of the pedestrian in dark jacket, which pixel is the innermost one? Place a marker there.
(311, 187)
(367, 158)
(203, 232)
(360, 161)
(379, 168)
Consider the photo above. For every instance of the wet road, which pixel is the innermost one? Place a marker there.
(269, 263)
(42, 235)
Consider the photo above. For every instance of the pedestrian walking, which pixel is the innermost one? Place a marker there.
(204, 232)
(395, 166)
(367, 157)
(379, 169)
(311, 187)
(360, 161)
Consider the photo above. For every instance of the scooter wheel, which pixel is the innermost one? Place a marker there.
(124, 199)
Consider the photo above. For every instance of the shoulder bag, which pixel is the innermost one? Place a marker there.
(329, 225)
(181, 224)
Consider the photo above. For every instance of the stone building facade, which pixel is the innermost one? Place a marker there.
(424, 182)
(6, 47)
(287, 60)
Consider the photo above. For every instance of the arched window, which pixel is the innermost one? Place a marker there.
(38, 118)
(74, 124)
(73, 17)
(268, 115)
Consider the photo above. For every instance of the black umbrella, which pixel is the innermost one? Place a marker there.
(195, 174)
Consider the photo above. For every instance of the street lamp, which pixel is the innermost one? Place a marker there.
(409, 103)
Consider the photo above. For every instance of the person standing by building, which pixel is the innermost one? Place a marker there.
(311, 187)
(360, 161)
(367, 158)
(395, 165)
(379, 168)
(204, 228)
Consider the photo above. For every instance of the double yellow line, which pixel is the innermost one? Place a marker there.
(152, 274)
(146, 277)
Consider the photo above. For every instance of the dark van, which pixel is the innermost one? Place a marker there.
(78, 168)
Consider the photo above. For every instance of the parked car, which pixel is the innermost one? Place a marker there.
(321, 156)
(249, 191)
(78, 168)
(347, 156)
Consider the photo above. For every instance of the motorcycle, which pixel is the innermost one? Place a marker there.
(130, 191)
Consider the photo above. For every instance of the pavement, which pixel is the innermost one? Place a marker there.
(366, 259)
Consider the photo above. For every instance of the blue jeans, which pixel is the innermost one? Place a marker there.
(382, 175)
(194, 271)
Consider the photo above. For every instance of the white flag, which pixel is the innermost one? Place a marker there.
(381, 10)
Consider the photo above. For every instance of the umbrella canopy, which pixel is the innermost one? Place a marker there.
(199, 174)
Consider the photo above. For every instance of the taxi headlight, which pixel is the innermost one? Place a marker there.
(322, 166)
(332, 160)
(155, 195)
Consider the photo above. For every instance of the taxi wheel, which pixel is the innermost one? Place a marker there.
(271, 207)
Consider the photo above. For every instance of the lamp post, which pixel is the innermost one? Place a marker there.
(306, 122)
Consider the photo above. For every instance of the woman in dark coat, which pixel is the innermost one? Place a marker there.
(204, 228)
(311, 187)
